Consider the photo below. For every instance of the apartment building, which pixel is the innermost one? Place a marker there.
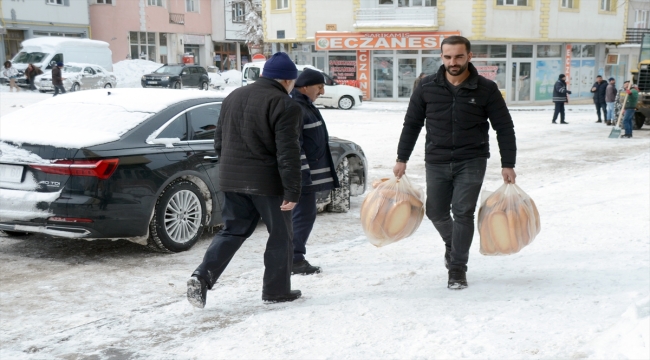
(164, 31)
(621, 59)
(231, 50)
(25, 19)
(383, 45)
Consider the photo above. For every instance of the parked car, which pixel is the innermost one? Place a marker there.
(77, 76)
(337, 96)
(177, 76)
(107, 165)
(217, 82)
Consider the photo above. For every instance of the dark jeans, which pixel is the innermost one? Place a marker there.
(58, 88)
(559, 109)
(31, 83)
(455, 187)
(240, 213)
(601, 106)
(304, 216)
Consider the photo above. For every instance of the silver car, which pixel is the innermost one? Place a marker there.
(78, 77)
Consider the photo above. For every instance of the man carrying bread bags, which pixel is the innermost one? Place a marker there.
(455, 104)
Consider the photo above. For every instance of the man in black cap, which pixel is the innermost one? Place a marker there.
(318, 171)
(559, 98)
(257, 142)
(610, 99)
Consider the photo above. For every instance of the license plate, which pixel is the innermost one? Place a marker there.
(152, 82)
(11, 173)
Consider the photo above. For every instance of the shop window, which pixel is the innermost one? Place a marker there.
(238, 12)
(383, 77)
(155, 2)
(430, 65)
(489, 51)
(549, 51)
(522, 51)
(512, 2)
(192, 5)
(343, 68)
(163, 39)
(143, 45)
(492, 70)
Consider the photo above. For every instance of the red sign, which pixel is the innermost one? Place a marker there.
(363, 72)
(330, 40)
(567, 65)
(259, 57)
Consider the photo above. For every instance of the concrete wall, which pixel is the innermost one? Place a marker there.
(38, 10)
(319, 12)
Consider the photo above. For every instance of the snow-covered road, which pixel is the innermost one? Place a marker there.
(580, 290)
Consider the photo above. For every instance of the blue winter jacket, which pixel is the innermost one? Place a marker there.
(318, 171)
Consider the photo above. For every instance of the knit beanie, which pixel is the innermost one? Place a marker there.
(562, 76)
(280, 66)
(310, 77)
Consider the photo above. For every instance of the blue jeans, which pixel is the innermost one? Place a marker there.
(304, 216)
(610, 110)
(454, 189)
(627, 121)
(240, 214)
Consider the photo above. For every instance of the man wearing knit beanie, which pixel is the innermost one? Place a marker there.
(318, 171)
(559, 98)
(257, 145)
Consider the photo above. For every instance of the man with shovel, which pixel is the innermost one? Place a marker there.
(629, 108)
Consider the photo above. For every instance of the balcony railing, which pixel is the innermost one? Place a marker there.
(635, 35)
(178, 19)
(397, 17)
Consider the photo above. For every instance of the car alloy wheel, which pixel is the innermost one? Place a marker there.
(178, 219)
(346, 103)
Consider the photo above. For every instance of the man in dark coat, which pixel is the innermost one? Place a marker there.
(599, 88)
(257, 142)
(57, 80)
(455, 104)
(318, 171)
(559, 98)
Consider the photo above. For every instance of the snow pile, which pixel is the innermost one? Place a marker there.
(129, 72)
(232, 77)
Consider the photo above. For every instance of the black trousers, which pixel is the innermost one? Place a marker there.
(454, 188)
(32, 86)
(601, 106)
(57, 89)
(240, 213)
(304, 216)
(559, 109)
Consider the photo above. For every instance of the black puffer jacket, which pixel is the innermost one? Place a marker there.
(457, 127)
(257, 141)
(600, 92)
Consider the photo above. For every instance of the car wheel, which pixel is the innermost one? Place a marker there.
(177, 85)
(177, 223)
(346, 103)
(204, 86)
(15, 233)
(75, 87)
(41, 91)
(638, 120)
(108, 86)
(341, 196)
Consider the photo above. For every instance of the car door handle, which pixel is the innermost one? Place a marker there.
(211, 158)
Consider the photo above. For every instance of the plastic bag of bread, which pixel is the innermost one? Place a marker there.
(392, 211)
(508, 220)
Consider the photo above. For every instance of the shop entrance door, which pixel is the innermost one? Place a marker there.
(521, 77)
(407, 72)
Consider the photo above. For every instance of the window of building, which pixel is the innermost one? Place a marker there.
(238, 12)
(549, 51)
(641, 18)
(55, 2)
(608, 5)
(107, 2)
(522, 51)
(512, 2)
(281, 4)
(408, 3)
(567, 4)
(143, 45)
(155, 2)
(192, 5)
(489, 51)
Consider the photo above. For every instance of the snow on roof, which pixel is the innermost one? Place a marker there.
(53, 41)
(87, 118)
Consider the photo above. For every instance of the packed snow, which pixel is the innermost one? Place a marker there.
(580, 290)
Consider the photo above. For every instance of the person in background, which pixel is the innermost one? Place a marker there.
(629, 108)
(454, 106)
(318, 171)
(417, 81)
(258, 148)
(30, 73)
(610, 99)
(57, 80)
(10, 73)
(559, 98)
(599, 88)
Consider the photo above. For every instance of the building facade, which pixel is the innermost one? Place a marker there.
(229, 22)
(383, 45)
(164, 31)
(26, 19)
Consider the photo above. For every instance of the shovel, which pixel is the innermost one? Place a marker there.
(616, 129)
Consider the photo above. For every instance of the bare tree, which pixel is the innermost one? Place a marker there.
(253, 31)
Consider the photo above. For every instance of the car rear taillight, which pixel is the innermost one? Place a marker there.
(102, 169)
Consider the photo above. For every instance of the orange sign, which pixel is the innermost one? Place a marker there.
(363, 72)
(259, 57)
(567, 65)
(381, 40)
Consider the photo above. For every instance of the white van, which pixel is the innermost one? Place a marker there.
(42, 51)
(339, 96)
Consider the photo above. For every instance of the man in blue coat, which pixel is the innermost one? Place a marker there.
(599, 88)
(560, 98)
(318, 171)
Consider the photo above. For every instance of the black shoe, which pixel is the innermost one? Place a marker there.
(304, 268)
(563, 122)
(447, 258)
(553, 122)
(626, 136)
(608, 123)
(197, 290)
(291, 296)
(457, 280)
(599, 121)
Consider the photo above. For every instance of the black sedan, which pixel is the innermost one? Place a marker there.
(134, 164)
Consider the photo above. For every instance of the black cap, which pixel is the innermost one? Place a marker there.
(562, 76)
(310, 77)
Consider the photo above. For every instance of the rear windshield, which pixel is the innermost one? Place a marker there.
(27, 58)
(169, 69)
